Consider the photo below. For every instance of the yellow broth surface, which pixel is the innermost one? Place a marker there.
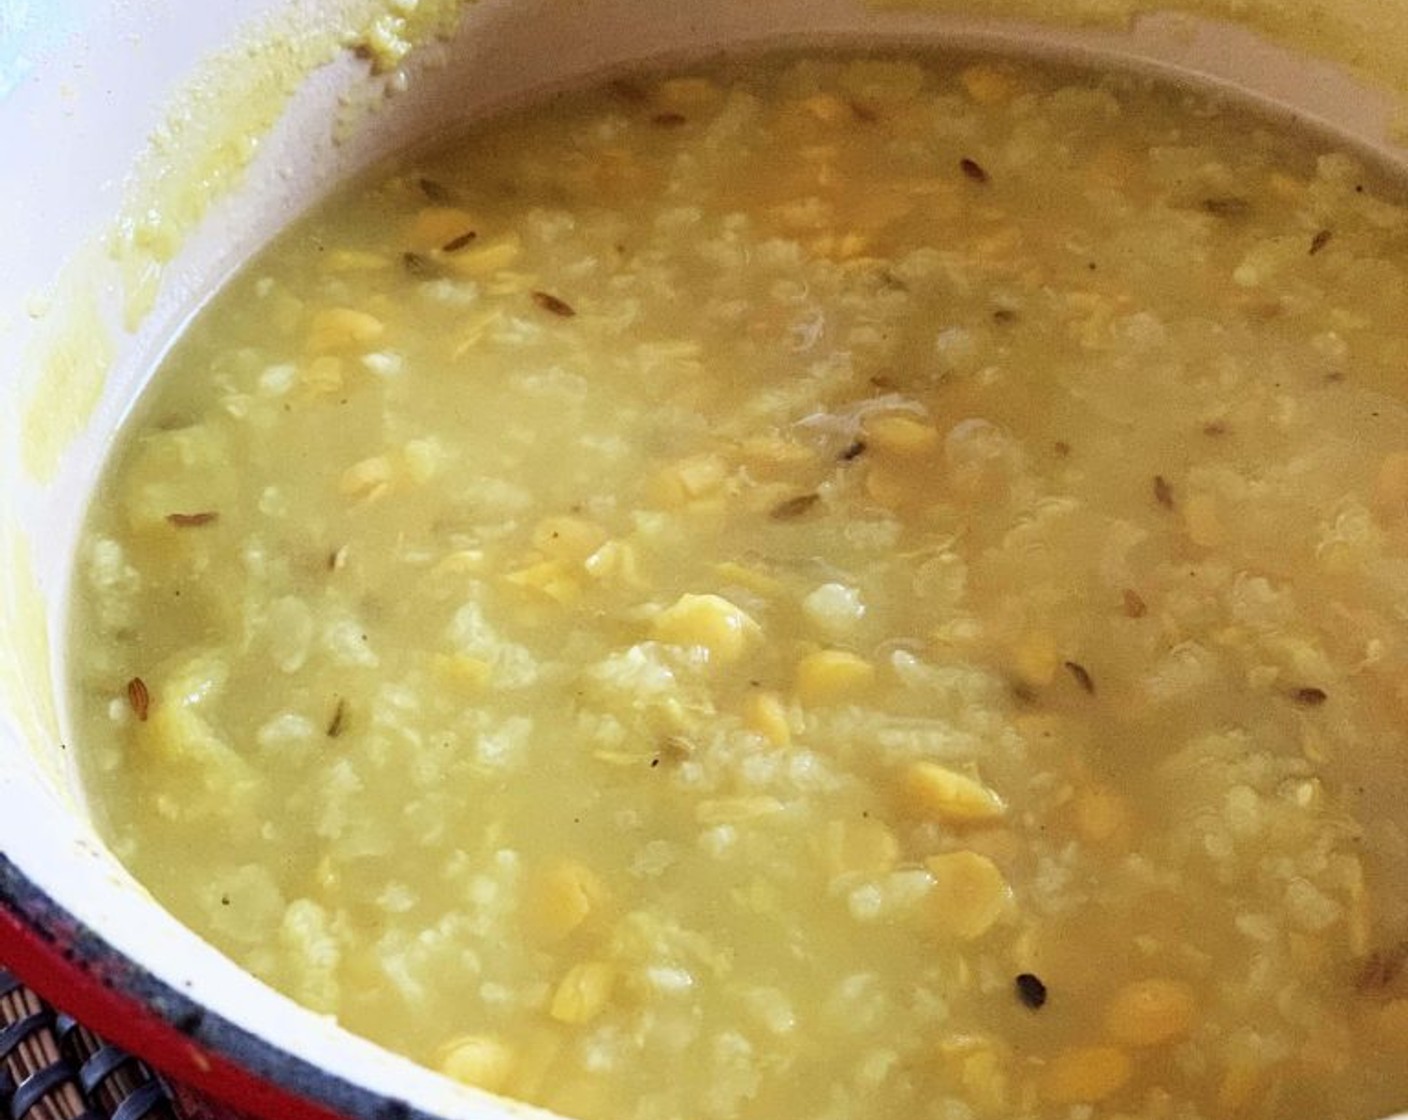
(830, 587)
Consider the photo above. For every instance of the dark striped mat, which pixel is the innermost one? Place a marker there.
(52, 1068)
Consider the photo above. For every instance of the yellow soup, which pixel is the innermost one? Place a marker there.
(825, 588)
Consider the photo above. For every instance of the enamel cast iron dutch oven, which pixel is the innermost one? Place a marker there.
(150, 146)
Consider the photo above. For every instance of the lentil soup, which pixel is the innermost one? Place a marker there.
(830, 586)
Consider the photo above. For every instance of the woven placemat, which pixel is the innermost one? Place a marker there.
(53, 1068)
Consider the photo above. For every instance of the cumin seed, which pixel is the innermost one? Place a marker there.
(1163, 491)
(1320, 240)
(793, 508)
(435, 192)
(974, 170)
(139, 698)
(674, 749)
(455, 244)
(418, 265)
(1310, 697)
(338, 723)
(1215, 428)
(1030, 990)
(553, 305)
(192, 520)
(669, 120)
(854, 451)
(1134, 605)
(1082, 676)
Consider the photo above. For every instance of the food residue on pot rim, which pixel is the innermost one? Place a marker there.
(197, 157)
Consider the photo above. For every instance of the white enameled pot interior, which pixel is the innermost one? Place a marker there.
(82, 87)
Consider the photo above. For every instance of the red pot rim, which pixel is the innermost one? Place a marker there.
(72, 967)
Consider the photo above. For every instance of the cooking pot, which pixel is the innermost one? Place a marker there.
(151, 147)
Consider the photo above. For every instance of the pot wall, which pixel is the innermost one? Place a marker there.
(81, 91)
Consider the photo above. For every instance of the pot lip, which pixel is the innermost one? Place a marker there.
(69, 964)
